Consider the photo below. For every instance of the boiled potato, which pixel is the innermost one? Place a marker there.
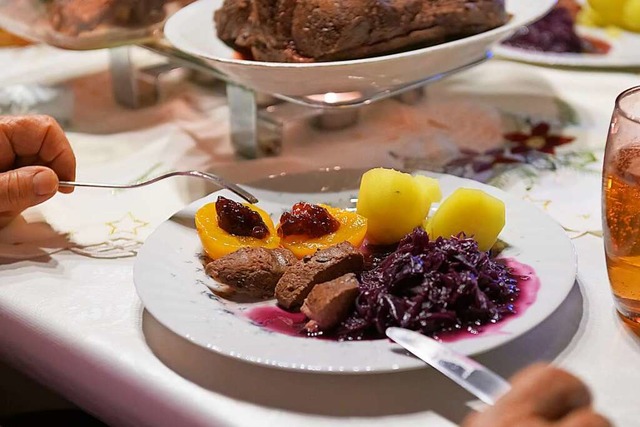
(631, 15)
(394, 203)
(472, 212)
(430, 187)
(609, 11)
(591, 18)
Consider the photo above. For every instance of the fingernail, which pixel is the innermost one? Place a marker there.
(44, 183)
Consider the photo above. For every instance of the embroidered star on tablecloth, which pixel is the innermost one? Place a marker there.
(127, 225)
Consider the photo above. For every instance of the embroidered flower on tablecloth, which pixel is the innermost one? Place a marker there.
(538, 139)
(536, 147)
(482, 162)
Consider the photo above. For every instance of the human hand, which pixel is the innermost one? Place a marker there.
(34, 155)
(541, 396)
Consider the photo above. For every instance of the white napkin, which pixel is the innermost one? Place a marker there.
(46, 65)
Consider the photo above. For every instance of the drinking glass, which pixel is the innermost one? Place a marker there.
(621, 204)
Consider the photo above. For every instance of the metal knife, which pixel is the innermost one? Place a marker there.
(469, 374)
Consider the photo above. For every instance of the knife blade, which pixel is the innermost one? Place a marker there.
(469, 374)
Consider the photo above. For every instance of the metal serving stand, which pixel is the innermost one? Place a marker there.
(257, 120)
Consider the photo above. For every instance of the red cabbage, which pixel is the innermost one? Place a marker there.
(431, 286)
(553, 33)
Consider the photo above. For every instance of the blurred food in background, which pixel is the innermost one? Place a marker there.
(9, 40)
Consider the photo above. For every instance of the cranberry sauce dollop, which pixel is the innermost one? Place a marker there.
(307, 220)
(239, 220)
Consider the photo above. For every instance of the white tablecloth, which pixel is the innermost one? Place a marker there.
(70, 316)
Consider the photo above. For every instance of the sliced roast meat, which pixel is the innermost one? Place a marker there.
(329, 303)
(251, 271)
(321, 30)
(324, 265)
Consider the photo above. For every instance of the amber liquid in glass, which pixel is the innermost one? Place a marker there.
(622, 230)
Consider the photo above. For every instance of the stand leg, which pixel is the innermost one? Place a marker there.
(412, 97)
(133, 87)
(253, 134)
(128, 90)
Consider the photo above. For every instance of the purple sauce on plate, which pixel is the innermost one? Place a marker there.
(276, 319)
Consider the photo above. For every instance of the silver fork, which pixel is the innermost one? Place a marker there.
(195, 174)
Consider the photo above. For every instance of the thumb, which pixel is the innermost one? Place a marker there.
(26, 187)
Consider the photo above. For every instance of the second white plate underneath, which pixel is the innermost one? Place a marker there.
(624, 53)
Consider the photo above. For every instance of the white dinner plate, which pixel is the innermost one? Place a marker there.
(192, 30)
(172, 285)
(625, 52)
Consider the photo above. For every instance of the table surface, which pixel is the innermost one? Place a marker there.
(69, 311)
